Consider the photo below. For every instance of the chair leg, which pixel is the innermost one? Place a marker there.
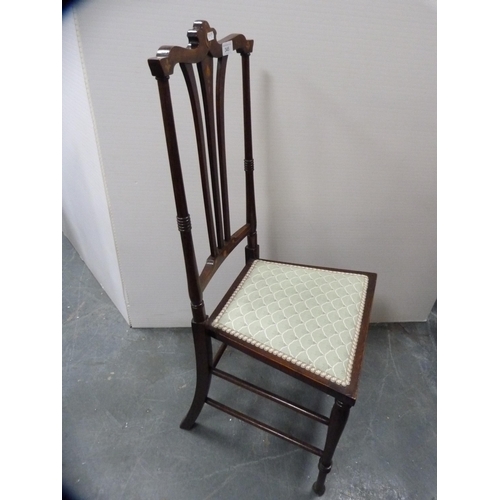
(203, 354)
(338, 419)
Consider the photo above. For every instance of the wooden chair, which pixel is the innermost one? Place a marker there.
(308, 322)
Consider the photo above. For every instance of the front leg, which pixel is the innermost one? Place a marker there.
(338, 419)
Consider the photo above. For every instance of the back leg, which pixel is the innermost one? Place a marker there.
(203, 353)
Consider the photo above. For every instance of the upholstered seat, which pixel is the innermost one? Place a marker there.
(308, 316)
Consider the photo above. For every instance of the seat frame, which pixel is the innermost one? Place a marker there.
(203, 48)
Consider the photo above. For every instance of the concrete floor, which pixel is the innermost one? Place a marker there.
(126, 390)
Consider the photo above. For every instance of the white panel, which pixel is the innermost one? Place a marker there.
(86, 219)
(344, 109)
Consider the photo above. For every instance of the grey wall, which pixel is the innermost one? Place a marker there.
(344, 110)
(86, 209)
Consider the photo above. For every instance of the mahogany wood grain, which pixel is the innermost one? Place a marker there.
(207, 108)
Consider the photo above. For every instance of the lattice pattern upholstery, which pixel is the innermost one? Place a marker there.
(310, 317)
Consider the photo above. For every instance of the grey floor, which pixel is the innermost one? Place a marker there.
(126, 390)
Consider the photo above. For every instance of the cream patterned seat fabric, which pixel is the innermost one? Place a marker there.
(310, 317)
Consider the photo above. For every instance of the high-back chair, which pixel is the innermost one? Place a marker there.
(308, 322)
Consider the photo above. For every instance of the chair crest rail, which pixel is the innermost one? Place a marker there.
(202, 42)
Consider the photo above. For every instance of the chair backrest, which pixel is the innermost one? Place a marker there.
(203, 48)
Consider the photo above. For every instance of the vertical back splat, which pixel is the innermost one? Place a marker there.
(205, 72)
(187, 70)
(221, 140)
